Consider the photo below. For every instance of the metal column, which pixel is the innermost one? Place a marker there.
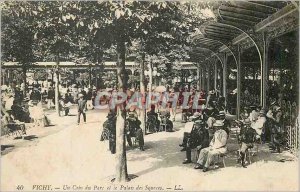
(225, 76)
(198, 77)
(203, 78)
(208, 77)
(264, 71)
(215, 75)
(239, 87)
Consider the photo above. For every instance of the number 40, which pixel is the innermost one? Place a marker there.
(20, 187)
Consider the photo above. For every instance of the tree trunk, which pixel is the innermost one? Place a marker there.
(150, 84)
(57, 87)
(24, 80)
(142, 91)
(90, 76)
(121, 165)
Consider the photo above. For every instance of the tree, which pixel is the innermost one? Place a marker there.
(18, 36)
(89, 30)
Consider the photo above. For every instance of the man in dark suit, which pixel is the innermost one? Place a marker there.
(198, 138)
(81, 108)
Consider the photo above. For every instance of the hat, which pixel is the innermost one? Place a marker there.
(247, 121)
(199, 122)
(196, 115)
(218, 123)
(221, 113)
(80, 95)
(262, 111)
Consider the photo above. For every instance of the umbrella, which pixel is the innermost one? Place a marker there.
(160, 89)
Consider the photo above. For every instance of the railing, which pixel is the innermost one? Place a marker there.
(291, 124)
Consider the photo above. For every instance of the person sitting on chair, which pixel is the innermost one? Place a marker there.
(165, 119)
(198, 138)
(217, 146)
(152, 112)
(188, 128)
(259, 123)
(246, 139)
(63, 106)
(133, 129)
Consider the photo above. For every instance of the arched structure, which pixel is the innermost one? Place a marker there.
(243, 24)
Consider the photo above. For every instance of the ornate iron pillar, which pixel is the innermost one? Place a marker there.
(198, 77)
(203, 77)
(264, 70)
(215, 75)
(239, 86)
(208, 77)
(225, 77)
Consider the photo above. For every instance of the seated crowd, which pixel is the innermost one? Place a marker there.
(208, 132)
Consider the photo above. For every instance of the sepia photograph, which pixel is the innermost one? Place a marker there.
(149, 95)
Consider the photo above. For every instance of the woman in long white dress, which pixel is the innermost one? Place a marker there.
(43, 119)
(38, 115)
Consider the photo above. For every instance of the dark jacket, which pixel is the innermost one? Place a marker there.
(199, 136)
(247, 135)
(81, 105)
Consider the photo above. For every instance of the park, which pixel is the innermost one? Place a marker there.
(150, 95)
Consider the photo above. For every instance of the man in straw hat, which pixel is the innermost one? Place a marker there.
(217, 146)
(81, 108)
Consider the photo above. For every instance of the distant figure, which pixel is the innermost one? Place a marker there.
(81, 108)
(89, 99)
(51, 98)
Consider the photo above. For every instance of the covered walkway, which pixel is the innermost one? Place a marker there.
(245, 34)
